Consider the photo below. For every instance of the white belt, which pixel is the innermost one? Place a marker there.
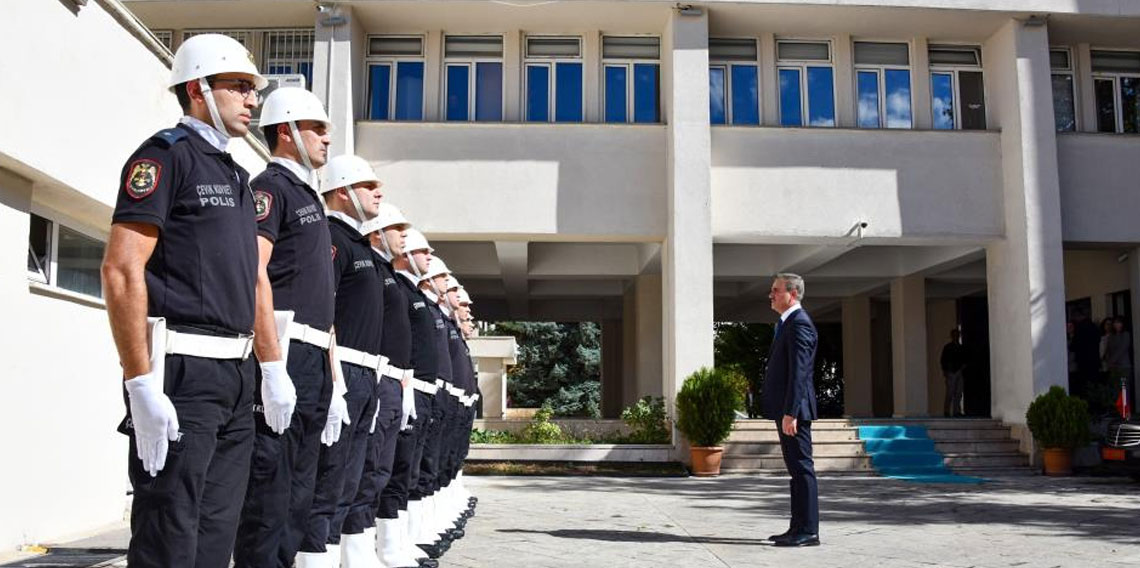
(457, 393)
(360, 358)
(310, 335)
(468, 401)
(208, 346)
(394, 372)
(424, 386)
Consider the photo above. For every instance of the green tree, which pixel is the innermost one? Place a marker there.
(559, 365)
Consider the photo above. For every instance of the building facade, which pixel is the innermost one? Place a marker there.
(925, 164)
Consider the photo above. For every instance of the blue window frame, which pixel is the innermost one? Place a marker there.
(537, 93)
(554, 81)
(883, 84)
(408, 85)
(617, 84)
(734, 94)
(473, 78)
(568, 103)
(806, 83)
(718, 100)
(632, 78)
(458, 88)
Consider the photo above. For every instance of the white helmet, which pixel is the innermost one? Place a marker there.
(464, 297)
(292, 104)
(345, 170)
(389, 215)
(416, 241)
(436, 267)
(213, 54)
(452, 283)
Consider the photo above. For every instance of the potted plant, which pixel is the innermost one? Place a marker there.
(1059, 423)
(706, 409)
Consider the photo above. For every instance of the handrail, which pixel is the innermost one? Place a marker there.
(137, 28)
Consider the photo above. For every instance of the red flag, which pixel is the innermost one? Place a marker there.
(1122, 401)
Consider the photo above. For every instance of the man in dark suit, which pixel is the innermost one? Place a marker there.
(789, 399)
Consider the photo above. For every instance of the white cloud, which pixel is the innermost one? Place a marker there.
(898, 109)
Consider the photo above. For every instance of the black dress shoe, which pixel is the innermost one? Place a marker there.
(429, 563)
(782, 536)
(432, 550)
(801, 539)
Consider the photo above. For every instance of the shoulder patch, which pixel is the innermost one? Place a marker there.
(170, 136)
(262, 203)
(142, 178)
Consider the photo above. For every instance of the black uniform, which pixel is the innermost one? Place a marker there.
(425, 362)
(284, 470)
(459, 429)
(442, 410)
(201, 277)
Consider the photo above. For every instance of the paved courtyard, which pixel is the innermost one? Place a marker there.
(546, 522)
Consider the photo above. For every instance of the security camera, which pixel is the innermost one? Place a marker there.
(862, 224)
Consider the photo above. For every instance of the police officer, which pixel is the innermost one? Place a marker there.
(351, 194)
(396, 344)
(452, 506)
(467, 325)
(392, 545)
(180, 276)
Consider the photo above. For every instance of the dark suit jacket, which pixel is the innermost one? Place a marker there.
(788, 385)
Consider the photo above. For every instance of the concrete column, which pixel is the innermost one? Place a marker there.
(687, 260)
(338, 73)
(908, 345)
(648, 338)
(591, 76)
(857, 385)
(941, 317)
(920, 83)
(769, 81)
(843, 52)
(1084, 85)
(1134, 285)
(629, 344)
(492, 356)
(512, 76)
(613, 373)
(1025, 270)
(433, 73)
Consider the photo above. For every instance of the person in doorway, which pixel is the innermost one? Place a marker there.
(1117, 356)
(953, 362)
(789, 399)
(180, 277)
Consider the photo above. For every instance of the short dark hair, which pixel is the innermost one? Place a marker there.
(183, 96)
(270, 133)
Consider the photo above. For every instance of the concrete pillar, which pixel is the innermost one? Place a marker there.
(908, 339)
(648, 338)
(920, 84)
(687, 260)
(492, 355)
(1134, 286)
(769, 81)
(591, 76)
(941, 317)
(433, 72)
(857, 382)
(512, 76)
(1084, 84)
(1025, 270)
(338, 73)
(843, 52)
(882, 366)
(613, 372)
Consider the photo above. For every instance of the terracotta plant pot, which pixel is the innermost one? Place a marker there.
(1058, 461)
(706, 461)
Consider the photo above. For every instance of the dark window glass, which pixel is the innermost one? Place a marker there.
(39, 246)
(489, 92)
(1064, 104)
(1105, 105)
(379, 80)
(568, 96)
(537, 93)
(410, 90)
(458, 77)
(616, 93)
(745, 95)
(791, 99)
(1130, 104)
(645, 107)
(79, 260)
(718, 113)
(972, 99)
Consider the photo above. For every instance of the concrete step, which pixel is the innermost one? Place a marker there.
(977, 446)
(819, 449)
(989, 433)
(770, 435)
(1024, 471)
(776, 463)
(956, 461)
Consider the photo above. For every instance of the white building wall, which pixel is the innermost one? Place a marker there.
(1099, 198)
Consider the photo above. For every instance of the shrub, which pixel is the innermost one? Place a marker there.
(542, 431)
(492, 437)
(706, 406)
(647, 418)
(1058, 420)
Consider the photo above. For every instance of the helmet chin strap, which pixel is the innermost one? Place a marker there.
(415, 268)
(356, 204)
(387, 252)
(212, 105)
(304, 153)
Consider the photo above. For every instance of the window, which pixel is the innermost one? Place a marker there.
(553, 76)
(1064, 91)
(882, 85)
(244, 37)
(63, 257)
(807, 83)
(395, 78)
(473, 78)
(631, 79)
(734, 91)
(165, 37)
(957, 95)
(1116, 82)
(289, 51)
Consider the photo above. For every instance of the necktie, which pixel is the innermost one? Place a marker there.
(779, 323)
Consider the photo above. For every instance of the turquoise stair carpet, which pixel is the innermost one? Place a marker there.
(907, 452)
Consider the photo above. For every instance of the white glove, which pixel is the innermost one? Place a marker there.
(154, 420)
(278, 395)
(375, 415)
(407, 404)
(338, 415)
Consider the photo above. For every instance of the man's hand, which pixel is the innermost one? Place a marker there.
(154, 419)
(278, 395)
(788, 425)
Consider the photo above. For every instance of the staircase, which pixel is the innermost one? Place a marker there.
(970, 446)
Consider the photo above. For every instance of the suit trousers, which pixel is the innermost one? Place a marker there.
(377, 470)
(797, 452)
(406, 461)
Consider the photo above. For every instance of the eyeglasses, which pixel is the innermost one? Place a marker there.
(240, 86)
